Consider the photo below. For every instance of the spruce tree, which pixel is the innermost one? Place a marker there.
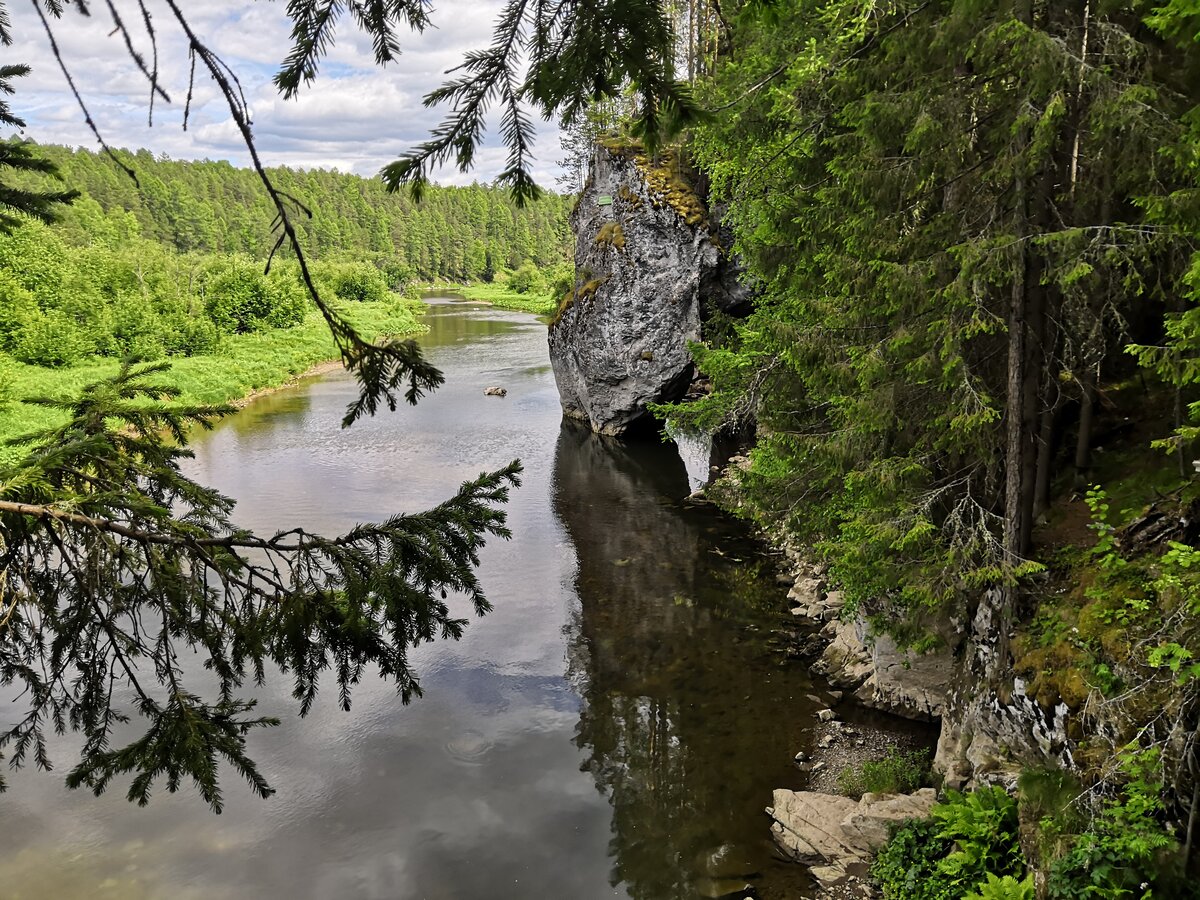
(116, 570)
(948, 207)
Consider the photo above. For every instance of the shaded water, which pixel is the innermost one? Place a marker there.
(613, 721)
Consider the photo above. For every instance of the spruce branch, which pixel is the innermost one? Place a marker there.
(116, 564)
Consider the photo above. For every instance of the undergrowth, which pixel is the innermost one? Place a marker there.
(896, 773)
(241, 365)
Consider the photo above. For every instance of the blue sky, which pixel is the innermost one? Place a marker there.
(356, 117)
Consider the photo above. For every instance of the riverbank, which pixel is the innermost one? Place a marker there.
(246, 366)
(499, 294)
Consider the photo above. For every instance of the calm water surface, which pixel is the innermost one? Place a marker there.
(616, 719)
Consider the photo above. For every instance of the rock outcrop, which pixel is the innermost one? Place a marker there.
(989, 735)
(879, 673)
(644, 256)
(836, 836)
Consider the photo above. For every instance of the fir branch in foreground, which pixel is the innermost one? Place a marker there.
(114, 565)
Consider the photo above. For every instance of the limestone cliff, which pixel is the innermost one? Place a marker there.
(646, 264)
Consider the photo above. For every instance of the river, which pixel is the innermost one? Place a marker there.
(616, 719)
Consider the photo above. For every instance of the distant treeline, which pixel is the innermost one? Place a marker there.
(454, 233)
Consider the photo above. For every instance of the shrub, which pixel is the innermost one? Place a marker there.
(1006, 888)
(135, 330)
(52, 339)
(356, 282)
(1126, 851)
(17, 309)
(527, 279)
(239, 298)
(896, 773)
(907, 867)
(398, 274)
(195, 336)
(562, 280)
(289, 300)
(236, 297)
(951, 853)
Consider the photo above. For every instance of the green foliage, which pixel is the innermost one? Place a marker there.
(1004, 888)
(946, 856)
(526, 279)
(244, 364)
(213, 208)
(896, 773)
(1055, 801)
(870, 161)
(354, 282)
(907, 867)
(562, 280)
(239, 298)
(498, 293)
(51, 339)
(1125, 851)
(17, 203)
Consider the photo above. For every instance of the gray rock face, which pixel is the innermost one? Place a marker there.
(836, 835)
(621, 341)
(880, 674)
(987, 735)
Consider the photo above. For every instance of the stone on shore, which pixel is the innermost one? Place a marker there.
(835, 835)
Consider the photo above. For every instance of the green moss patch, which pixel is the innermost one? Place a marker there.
(612, 235)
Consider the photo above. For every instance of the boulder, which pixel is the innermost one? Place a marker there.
(837, 835)
(885, 677)
(642, 248)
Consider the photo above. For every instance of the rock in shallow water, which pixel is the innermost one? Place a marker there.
(727, 861)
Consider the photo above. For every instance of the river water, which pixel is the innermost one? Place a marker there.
(615, 720)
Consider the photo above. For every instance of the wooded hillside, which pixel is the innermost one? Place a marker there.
(454, 233)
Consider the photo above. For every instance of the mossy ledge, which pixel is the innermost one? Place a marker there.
(668, 178)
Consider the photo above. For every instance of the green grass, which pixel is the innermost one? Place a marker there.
(896, 773)
(499, 294)
(244, 364)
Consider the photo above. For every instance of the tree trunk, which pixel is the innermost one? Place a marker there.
(1016, 451)
(1083, 443)
(1045, 459)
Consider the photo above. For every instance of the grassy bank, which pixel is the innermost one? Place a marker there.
(244, 364)
(502, 295)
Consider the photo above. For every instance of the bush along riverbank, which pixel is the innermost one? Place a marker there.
(239, 366)
(72, 309)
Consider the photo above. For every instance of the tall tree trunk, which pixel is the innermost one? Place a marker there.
(1016, 449)
(1083, 443)
(1045, 458)
(1032, 377)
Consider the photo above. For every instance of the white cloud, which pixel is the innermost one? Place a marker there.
(356, 116)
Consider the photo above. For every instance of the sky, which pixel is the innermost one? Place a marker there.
(356, 117)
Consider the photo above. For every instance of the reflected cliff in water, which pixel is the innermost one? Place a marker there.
(687, 718)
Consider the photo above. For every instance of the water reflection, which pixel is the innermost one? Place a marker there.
(624, 653)
(687, 719)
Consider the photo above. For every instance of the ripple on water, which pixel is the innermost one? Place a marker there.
(469, 747)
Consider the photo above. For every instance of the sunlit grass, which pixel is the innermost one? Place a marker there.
(245, 363)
